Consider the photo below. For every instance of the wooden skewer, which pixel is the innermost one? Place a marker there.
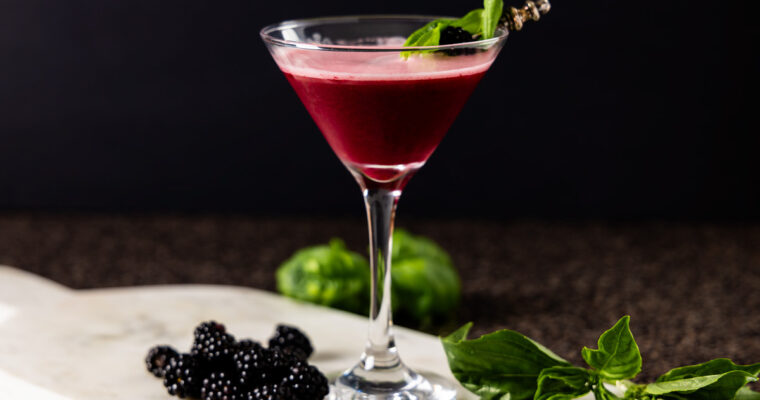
(514, 18)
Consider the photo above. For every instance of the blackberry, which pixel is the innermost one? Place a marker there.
(290, 340)
(183, 376)
(246, 344)
(264, 392)
(157, 359)
(258, 366)
(212, 343)
(452, 35)
(303, 382)
(221, 386)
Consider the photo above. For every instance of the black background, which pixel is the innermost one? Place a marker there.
(613, 109)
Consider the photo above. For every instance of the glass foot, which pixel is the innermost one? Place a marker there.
(409, 385)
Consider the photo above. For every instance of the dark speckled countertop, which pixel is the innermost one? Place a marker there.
(692, 289)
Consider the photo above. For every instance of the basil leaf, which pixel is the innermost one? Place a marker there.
(491, 14)
(419, 38)
(499, 365)
(418, 259)
(709, 387)
(428, 35)
(471, 22)
(717, 366)
(431, 37)
(746, 393)
(618, 355)
(328, 275)
(459, 334)
(603, 394)
(562, 383)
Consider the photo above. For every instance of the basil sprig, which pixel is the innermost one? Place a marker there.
(559, 383)
(481, 23)
(618, 355)
(491, 14)
(506, 365)
(746, 393)
(498, 364)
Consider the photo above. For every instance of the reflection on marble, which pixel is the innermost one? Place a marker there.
(90, 345)
(6, 312)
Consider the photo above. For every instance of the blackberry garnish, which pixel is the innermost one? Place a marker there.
(183, 376)
(212, 342)
(219, 368)
(258, 366)
(453, 35)
(246, 344)
(221, 386)
(157, 359)
(264, 392)
(290, 340)
(303, 382)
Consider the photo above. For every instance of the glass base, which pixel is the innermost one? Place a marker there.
(408, 385)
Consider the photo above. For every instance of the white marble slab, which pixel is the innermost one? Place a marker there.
(60, 344)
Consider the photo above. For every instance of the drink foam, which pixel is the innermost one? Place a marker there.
(385, 66)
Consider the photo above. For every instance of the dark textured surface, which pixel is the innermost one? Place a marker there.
(693, 290)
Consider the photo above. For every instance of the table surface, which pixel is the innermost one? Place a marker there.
(692, 289)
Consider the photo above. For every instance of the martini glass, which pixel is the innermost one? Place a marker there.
(383, 112)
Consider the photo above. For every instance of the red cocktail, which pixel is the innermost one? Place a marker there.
(385, 119)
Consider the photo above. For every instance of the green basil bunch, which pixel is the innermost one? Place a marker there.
(328, 275)
(506, 365)
(426, 286)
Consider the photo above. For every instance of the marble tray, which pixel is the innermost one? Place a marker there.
(63, 344)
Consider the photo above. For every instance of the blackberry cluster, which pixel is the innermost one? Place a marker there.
(220, 368)
(221, 386)
(158, 357)
(212, 342)
(303, 381)
(183, 376)
(453, 35)
(290, 340)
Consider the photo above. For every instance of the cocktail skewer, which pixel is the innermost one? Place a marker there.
(514, 18)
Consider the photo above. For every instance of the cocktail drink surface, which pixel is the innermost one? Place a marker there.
(383, 111)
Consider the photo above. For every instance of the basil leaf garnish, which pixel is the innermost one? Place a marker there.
(709, 387)
(562, 383)
(746, 393)
(428, 35)
(506, 365)
(618, 355)
(503, 364)
(491, 13)
(480, 23)
(717, 366)
(421, 37)
(471, 22)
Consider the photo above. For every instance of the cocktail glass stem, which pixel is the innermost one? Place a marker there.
(380, 352)
(380, 369)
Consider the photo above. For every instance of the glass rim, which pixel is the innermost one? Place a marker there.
(266, 32)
